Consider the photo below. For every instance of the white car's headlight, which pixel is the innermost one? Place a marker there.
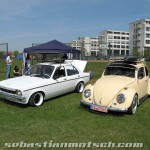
(18, 92)
(121, 98)
(87, 93)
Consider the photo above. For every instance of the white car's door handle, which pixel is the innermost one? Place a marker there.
(65, 79)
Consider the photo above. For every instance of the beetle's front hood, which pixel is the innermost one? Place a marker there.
(107, 87)
(24, 82)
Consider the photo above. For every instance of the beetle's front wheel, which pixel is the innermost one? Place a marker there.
(133, 107)
(36, 99)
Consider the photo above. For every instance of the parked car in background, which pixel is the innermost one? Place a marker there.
(123, 86)
(44, 81)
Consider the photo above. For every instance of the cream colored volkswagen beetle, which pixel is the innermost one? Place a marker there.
(123, 86)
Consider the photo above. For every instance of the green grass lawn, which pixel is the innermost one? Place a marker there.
(63, 121)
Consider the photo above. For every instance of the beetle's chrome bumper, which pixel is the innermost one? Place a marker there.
(13, 97)
(89, 105)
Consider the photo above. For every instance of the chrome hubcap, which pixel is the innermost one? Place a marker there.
(134, 105)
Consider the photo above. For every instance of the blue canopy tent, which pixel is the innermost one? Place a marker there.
(52, 47)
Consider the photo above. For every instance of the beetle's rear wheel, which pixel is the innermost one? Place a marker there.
(133, 107)
(36, 99)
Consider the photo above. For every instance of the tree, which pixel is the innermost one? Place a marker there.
(1, 54)
(82, 49)
(135, 51)
(147, 53)
(16, 53)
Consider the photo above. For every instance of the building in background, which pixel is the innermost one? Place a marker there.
(114, 43)
(75, 44)
(91, 45)
(88, 45)
(140, 35)
(117, 43)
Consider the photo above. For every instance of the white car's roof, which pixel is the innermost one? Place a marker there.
(52, 64)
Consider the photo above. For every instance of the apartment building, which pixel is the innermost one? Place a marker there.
(90, 45)
(114, 43)
(75, 44)
(140, 35)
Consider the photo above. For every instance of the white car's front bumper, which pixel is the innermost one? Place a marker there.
(13, 97)
(102, 108)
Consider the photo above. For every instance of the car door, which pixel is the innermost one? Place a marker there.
(142, 82)
(72, 77)
(60, 85)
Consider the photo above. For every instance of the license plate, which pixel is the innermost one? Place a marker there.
(98, 108)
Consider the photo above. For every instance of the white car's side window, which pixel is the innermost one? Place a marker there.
(71, 70)
(59, 73)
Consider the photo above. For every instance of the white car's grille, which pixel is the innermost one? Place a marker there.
(7, 90)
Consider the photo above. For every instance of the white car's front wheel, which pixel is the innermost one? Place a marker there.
(133, 107)
(36, 99)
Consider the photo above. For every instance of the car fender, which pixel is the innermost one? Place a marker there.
(129, 94)
(84, 76)
(148, 86)
(89, 99)
(79, 80)
(29, 93)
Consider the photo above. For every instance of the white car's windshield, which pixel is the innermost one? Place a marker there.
(120, 71)
(42, 71)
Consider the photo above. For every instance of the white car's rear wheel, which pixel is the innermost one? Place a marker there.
(36, 99)
(133, 107)
(79, 88)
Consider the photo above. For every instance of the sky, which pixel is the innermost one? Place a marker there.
(23, 22)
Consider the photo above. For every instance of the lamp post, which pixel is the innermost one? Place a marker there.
(109, 49)
(6, 44)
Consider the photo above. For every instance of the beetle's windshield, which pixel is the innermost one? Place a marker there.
(120, 71)
(42, 71)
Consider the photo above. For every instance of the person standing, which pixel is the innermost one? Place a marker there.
(8, 62)
(27, 63)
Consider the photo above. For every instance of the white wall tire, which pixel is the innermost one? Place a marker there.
(79, 87)
(36, 99)
(133, 107)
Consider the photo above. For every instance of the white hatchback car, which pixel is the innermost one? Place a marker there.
(44, 81)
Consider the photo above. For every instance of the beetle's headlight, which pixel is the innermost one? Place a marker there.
(18, 92)
(87, 93)
(121, 98)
